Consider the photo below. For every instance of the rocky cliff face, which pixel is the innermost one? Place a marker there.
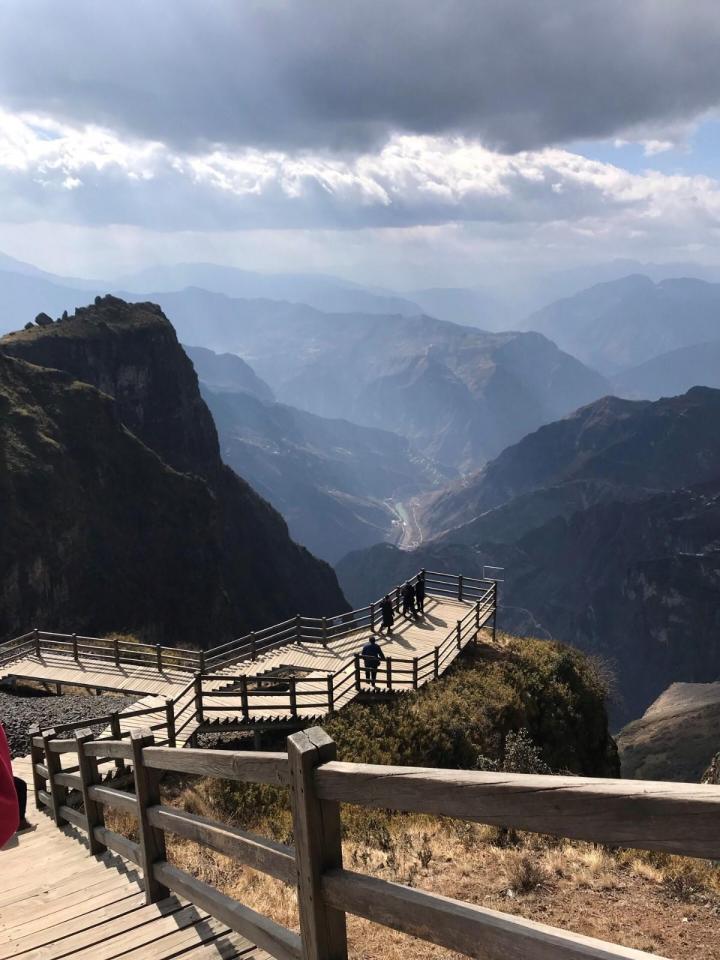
(256, 574)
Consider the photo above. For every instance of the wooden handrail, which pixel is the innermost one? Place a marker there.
(670, 817)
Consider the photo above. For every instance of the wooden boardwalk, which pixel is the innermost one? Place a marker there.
(286, 675)
(58, 901)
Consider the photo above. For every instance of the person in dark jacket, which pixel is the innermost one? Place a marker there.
(372, 655)
(408, 601)
(388, 617)
(420, 595)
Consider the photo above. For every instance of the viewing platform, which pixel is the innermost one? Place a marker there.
(283, 677)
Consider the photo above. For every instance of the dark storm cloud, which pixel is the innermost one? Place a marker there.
(345, 74)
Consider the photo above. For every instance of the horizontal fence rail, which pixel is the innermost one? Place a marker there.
(667, 817)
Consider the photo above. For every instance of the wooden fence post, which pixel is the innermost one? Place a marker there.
(293, 696)
(458, 632)
(147, 793)
(158, 654)
(318, 848)
(201, 661)
(324, 631)
(357, 671)
(388, 662)
(198, 699)
(415, 673)
(477, 617)
(331, 692)
(36, 756)
(116, 735)
(116, 651)
(298, 628)
(36, 633)
(89, 776)
(170, 717)
(54, 766)
(75, 647)
(437, 662)
(372, 618)
(460, 587)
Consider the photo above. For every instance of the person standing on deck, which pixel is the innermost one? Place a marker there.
(388, 617)
(372, 655)
(420, 595)
(408, 599)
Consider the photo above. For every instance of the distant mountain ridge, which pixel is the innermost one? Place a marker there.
(626, 322)
(607, 449)
(459, 394)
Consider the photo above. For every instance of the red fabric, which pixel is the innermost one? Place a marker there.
(9, 813)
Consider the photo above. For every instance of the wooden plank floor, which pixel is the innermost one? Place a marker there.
(57, 901)
(100, 674)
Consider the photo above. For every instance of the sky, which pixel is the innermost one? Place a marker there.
(404, 143)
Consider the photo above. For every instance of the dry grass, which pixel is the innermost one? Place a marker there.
(658, 903)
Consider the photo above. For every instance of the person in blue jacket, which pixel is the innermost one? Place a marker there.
(372, 655)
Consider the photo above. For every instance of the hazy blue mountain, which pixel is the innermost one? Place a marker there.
(227, 372)
(460, 395)
(672, 373)
(11, 265)
(24, 295)
(333, 481)
(626, 322)
(469, 307)
(327, 293)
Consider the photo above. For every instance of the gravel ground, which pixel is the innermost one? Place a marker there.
(20, 711)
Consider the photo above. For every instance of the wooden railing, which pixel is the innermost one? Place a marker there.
(253, 645)
(670, 817)
(248, 694)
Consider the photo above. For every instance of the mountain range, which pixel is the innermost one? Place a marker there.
(616, 325)
(458, 394)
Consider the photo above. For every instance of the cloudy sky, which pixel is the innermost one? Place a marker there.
(400, 142)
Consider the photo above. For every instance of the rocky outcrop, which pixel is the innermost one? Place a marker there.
(121, 514)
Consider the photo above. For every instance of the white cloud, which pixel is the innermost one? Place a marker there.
(413, 192)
